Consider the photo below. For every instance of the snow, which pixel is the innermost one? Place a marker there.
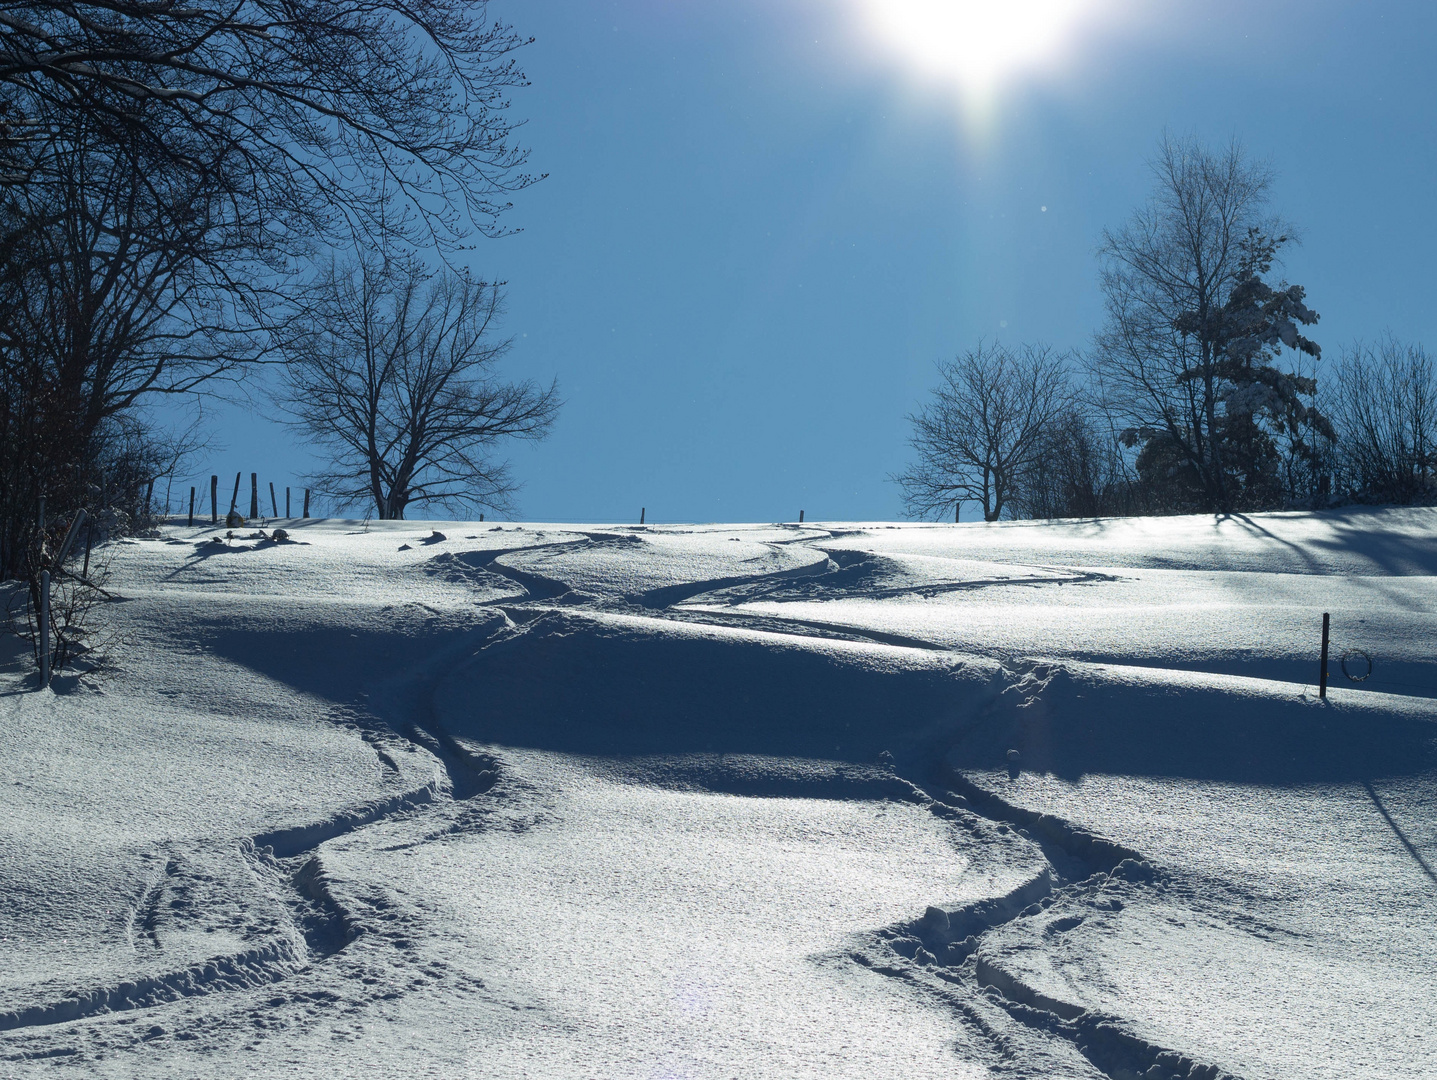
(844, 799)
(1292, 935)
(647, 931)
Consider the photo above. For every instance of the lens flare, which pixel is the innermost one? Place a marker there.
(979, 44)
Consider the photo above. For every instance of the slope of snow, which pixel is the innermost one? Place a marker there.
(1290, 933)
(459, 799)
(628, 928)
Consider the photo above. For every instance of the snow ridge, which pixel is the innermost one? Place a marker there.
(286, 843)
(254, 967)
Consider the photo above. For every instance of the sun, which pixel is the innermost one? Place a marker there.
(977, 44)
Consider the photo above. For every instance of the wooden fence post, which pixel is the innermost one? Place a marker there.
(1322, 672)
(44, 628)
(253, 495)
(192, 506)
(273, 503)
(800, 517)
(642, 511)
(286, 501)
(214, 500)
(234, 499)
(306, 502)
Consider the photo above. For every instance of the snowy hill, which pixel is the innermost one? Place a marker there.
(1028, 799)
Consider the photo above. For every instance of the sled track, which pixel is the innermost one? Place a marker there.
(320, 926)
(944, 945)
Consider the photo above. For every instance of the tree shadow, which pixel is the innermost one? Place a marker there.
(1397, 830)
(1256, 529)
(208, 549)
(1398, 553)
(572, 683)
(590, 690)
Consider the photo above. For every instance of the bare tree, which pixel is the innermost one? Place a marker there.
(164, 166)
(1078, 470)
(113, 289)
(1186, 358)
(313, 115)
(1383, 403)
(390, 371)
(981, 428)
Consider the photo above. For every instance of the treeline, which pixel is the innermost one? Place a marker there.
(190, 191)
(1202, 392)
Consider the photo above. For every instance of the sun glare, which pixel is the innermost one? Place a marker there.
(977, 44)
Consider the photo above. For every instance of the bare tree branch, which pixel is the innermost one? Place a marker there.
(1383, 401)
(318, 113)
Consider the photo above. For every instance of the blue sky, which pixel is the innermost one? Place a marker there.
(766, 220)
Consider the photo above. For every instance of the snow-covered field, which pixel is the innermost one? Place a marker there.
(734, 801)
